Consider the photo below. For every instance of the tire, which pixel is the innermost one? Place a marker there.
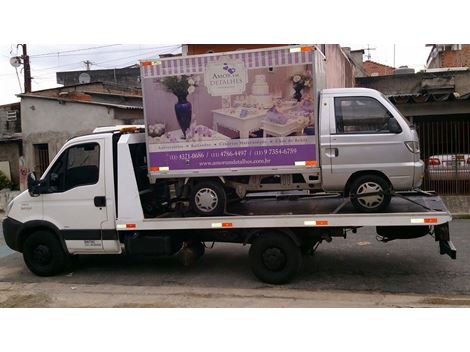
(369, 184)
(208, 198)
(44, 255)
(274, 258)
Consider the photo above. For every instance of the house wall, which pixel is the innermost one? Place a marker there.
(452, 58)
(10, 151)
(339, 70)
(48, 121)
(375, 69)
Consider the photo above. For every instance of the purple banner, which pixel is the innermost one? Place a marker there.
(250, 156)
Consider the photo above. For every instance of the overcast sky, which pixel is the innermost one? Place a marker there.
(48, 59)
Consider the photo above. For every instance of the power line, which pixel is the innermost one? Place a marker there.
(75, 50)
(102, 52)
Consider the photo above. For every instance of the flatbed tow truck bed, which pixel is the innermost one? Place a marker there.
(280, 229)
(326, 211)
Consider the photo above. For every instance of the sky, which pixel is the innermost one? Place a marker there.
(48, 59)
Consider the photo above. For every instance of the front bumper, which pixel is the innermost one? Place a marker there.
(11, 230)
(418, 174)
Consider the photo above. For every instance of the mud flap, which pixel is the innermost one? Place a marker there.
(446, 246)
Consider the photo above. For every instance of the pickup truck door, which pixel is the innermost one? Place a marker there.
(77, 201)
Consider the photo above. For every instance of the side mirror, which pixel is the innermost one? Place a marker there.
(394, 126)
(33, 184)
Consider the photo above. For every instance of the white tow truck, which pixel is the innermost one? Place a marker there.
(95, 198)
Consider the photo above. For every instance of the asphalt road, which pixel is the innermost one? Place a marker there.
(357, 265)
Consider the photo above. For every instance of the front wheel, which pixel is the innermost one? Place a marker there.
(377, 187)
(274, 258)
(44, 255)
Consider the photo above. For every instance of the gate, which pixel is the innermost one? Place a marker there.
(445, 149)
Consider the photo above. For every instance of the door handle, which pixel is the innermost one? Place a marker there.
(100, 201)
(331, 152)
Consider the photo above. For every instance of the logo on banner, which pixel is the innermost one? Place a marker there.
(225, 77)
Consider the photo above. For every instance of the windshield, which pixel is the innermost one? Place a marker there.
(397, 111)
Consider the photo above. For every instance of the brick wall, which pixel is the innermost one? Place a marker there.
(456, 58)
(375, 69)
(197, 49)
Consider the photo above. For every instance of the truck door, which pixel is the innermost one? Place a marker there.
(360, 140)
(76, 199)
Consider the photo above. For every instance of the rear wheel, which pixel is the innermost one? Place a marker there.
(208, 198)
(44, 255)
(377, 187)
(274, 258)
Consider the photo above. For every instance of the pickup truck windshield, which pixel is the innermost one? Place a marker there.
(397, 111)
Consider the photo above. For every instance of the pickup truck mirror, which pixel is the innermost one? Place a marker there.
(33, 184)
(394, 126)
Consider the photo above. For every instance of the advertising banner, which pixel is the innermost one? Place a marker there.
(234, 110)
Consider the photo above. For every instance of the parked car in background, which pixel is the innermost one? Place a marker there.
(448, 167)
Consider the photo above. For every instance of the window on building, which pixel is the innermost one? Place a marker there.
(41, 157)
(361, 115)
(77, 166)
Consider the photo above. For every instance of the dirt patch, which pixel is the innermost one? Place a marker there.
(26, 301)
(144, 305)
(446, 301)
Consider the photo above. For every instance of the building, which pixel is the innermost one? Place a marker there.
(126, 76)
(10, 141)
(198, 49)
(448, 55)
(374, 69)
(340, 67)
(438, 104)
(50, 117)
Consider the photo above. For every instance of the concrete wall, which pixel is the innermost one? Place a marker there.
(48, 121)
(9, 151)
(414, 83)
(129, 77)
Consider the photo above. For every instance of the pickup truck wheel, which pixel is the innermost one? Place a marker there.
(274, 258)
(208, 198)
(378, 201)
(44, 255)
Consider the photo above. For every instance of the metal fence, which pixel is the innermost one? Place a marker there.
(445, 149)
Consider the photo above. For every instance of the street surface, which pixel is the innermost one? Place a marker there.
(356, 272)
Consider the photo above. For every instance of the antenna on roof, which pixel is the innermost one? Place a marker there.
(368, 49)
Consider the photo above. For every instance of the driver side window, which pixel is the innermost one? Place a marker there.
(361, 115)
(77, 166)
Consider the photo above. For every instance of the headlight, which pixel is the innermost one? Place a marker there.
(412, 146)
(9, 207)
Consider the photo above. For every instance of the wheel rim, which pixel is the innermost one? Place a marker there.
(274, 259)
(42, 254)
(372, 201)
(206, 199)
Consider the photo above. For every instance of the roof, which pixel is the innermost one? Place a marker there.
(354, 91)
(427, 98)
(16, 104)
(378, 63)
(111, 105)
(112, 94)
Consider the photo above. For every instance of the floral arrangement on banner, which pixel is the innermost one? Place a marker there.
(299, 82)
(302, 81)
(181, 85)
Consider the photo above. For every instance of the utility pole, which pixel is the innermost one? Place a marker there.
(27, 69)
